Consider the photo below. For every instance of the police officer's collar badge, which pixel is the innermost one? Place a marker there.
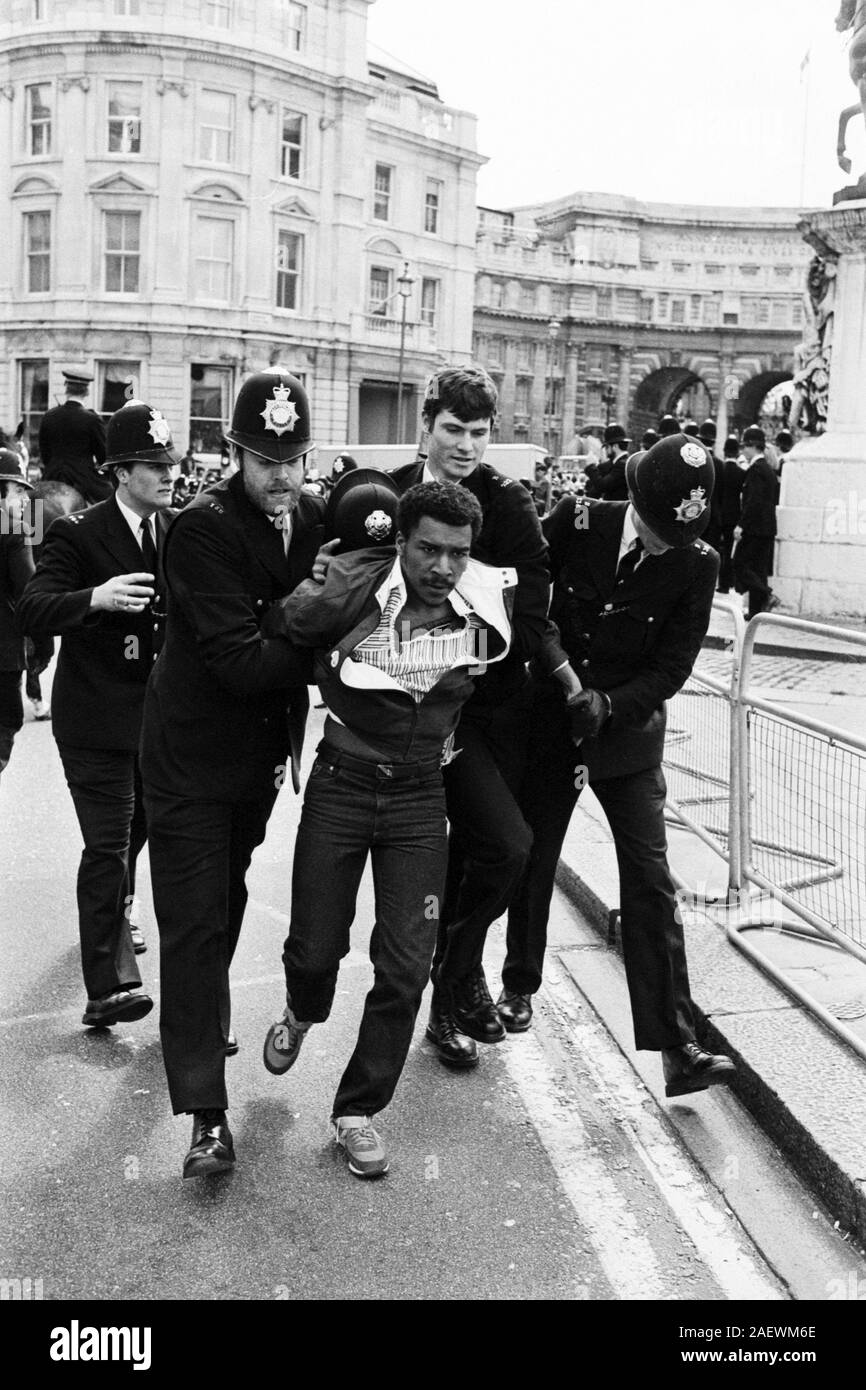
(693, 455)
(378, 525)
(692, 506)
(158, 428)
(280, 413)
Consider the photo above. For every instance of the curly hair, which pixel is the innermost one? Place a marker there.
(446, 502)
(468, 392)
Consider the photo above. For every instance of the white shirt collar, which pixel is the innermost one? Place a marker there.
(427, 476)
(629, 534)
(133, 520)
(395, 580)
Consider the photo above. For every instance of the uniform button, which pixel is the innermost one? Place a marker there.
(650, 620)
(608, 608)
(156, 627)
(585, 636)
(584, 663)
(258, 603)
(570, 590)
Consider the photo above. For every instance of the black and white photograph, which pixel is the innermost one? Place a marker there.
(433, 671)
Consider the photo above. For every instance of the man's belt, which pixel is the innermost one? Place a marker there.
(377, 772)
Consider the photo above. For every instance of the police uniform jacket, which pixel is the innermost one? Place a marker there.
(758, 500)
(510, 536)
(16, 568)
(732, 489)
(105, 657)
(71, 446)
(636, 639)
(215, 719)
(611, 484)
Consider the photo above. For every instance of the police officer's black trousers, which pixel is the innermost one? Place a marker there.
(753, 565)
(489, 839)
(11, 713)
(106, 791)
(652, 934)
(199, 855)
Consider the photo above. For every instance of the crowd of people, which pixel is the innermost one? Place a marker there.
(744, 500)
(479, 665)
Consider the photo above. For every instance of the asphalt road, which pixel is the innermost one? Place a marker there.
(549, 1173)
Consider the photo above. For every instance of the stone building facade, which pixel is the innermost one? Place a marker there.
(194, 188)
(598, 307)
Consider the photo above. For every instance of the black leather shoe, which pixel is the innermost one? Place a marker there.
(452, 1047)
(231, 1045)
(211, 1150)
(690, 1068)
(121, 1006)
(139, 945)
(515, 1010)
(474, 1011)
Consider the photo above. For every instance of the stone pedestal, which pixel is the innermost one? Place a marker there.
(821, 557)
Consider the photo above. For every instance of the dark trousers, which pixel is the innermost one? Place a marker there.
(106, 791)
(726, 569)
(401, 825)
(489, 841)
(652, 934)
(753, 565)
(11, 713)
(199, 855)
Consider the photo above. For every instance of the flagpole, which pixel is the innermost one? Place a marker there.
(805, 66)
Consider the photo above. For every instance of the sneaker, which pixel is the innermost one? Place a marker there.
(355, 1134)
(283, 1043)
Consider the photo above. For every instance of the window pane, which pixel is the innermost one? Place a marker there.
(290, 146)
(380, 289)
(288, 269)
(124, 117)
(39, 119)
(216, 118)
(210, 390)
(118, 383)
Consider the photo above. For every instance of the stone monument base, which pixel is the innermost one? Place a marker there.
(821, 556)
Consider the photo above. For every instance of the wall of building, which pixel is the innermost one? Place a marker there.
(217, 210)
(597, 306)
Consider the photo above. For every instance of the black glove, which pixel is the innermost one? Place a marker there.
(587, 710)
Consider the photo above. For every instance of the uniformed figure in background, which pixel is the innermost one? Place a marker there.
(607, 480)
(16, 569)
(98, 584)
(632, 594)
(72, 441)
(713, 534)
(756, 533)
(216, 738)
(730, 513)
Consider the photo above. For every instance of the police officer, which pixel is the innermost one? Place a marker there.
(632, 593)
(216, 738)
(730, 514)
(72, 441)
(755, 534)
(608, 479)
(16, 569)
(713, 534)
(98, 583)
(668, 425)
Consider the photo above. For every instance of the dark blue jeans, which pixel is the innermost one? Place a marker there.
(401, 824)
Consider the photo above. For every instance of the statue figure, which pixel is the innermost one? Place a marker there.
(852, 15)
(812, 355)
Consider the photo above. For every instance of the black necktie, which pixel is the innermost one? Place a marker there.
(627, 564)
(148, 547)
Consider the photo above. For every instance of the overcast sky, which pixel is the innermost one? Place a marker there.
(681, 101)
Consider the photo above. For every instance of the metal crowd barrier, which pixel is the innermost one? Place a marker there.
(794, 828)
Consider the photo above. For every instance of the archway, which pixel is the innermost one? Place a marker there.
(660, 391)
(746, 409)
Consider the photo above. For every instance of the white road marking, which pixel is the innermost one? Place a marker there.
(626, 1255)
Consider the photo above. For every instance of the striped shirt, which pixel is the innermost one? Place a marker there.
(418, 662)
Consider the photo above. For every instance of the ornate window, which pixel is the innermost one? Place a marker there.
(291, 143)
(382, 190)
(289, 252)
(122, 252)
(124, 117)
(37, 251)
(38, 104)
(216, 126)
(214, 255)
(432, 205)
(429, 301)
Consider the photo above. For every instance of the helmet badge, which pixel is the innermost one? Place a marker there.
(693, 506)
(377, 525)
(693, 455)
(158, 428)
(280, 413)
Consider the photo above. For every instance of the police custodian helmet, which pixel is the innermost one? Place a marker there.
(670, 486)
(362, 510)
(138, 433)
(271, 417)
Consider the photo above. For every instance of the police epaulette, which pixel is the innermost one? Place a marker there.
(215, 506)
(75, 517)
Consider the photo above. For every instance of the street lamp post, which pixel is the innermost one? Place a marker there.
(553, 328)
(404, 289)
